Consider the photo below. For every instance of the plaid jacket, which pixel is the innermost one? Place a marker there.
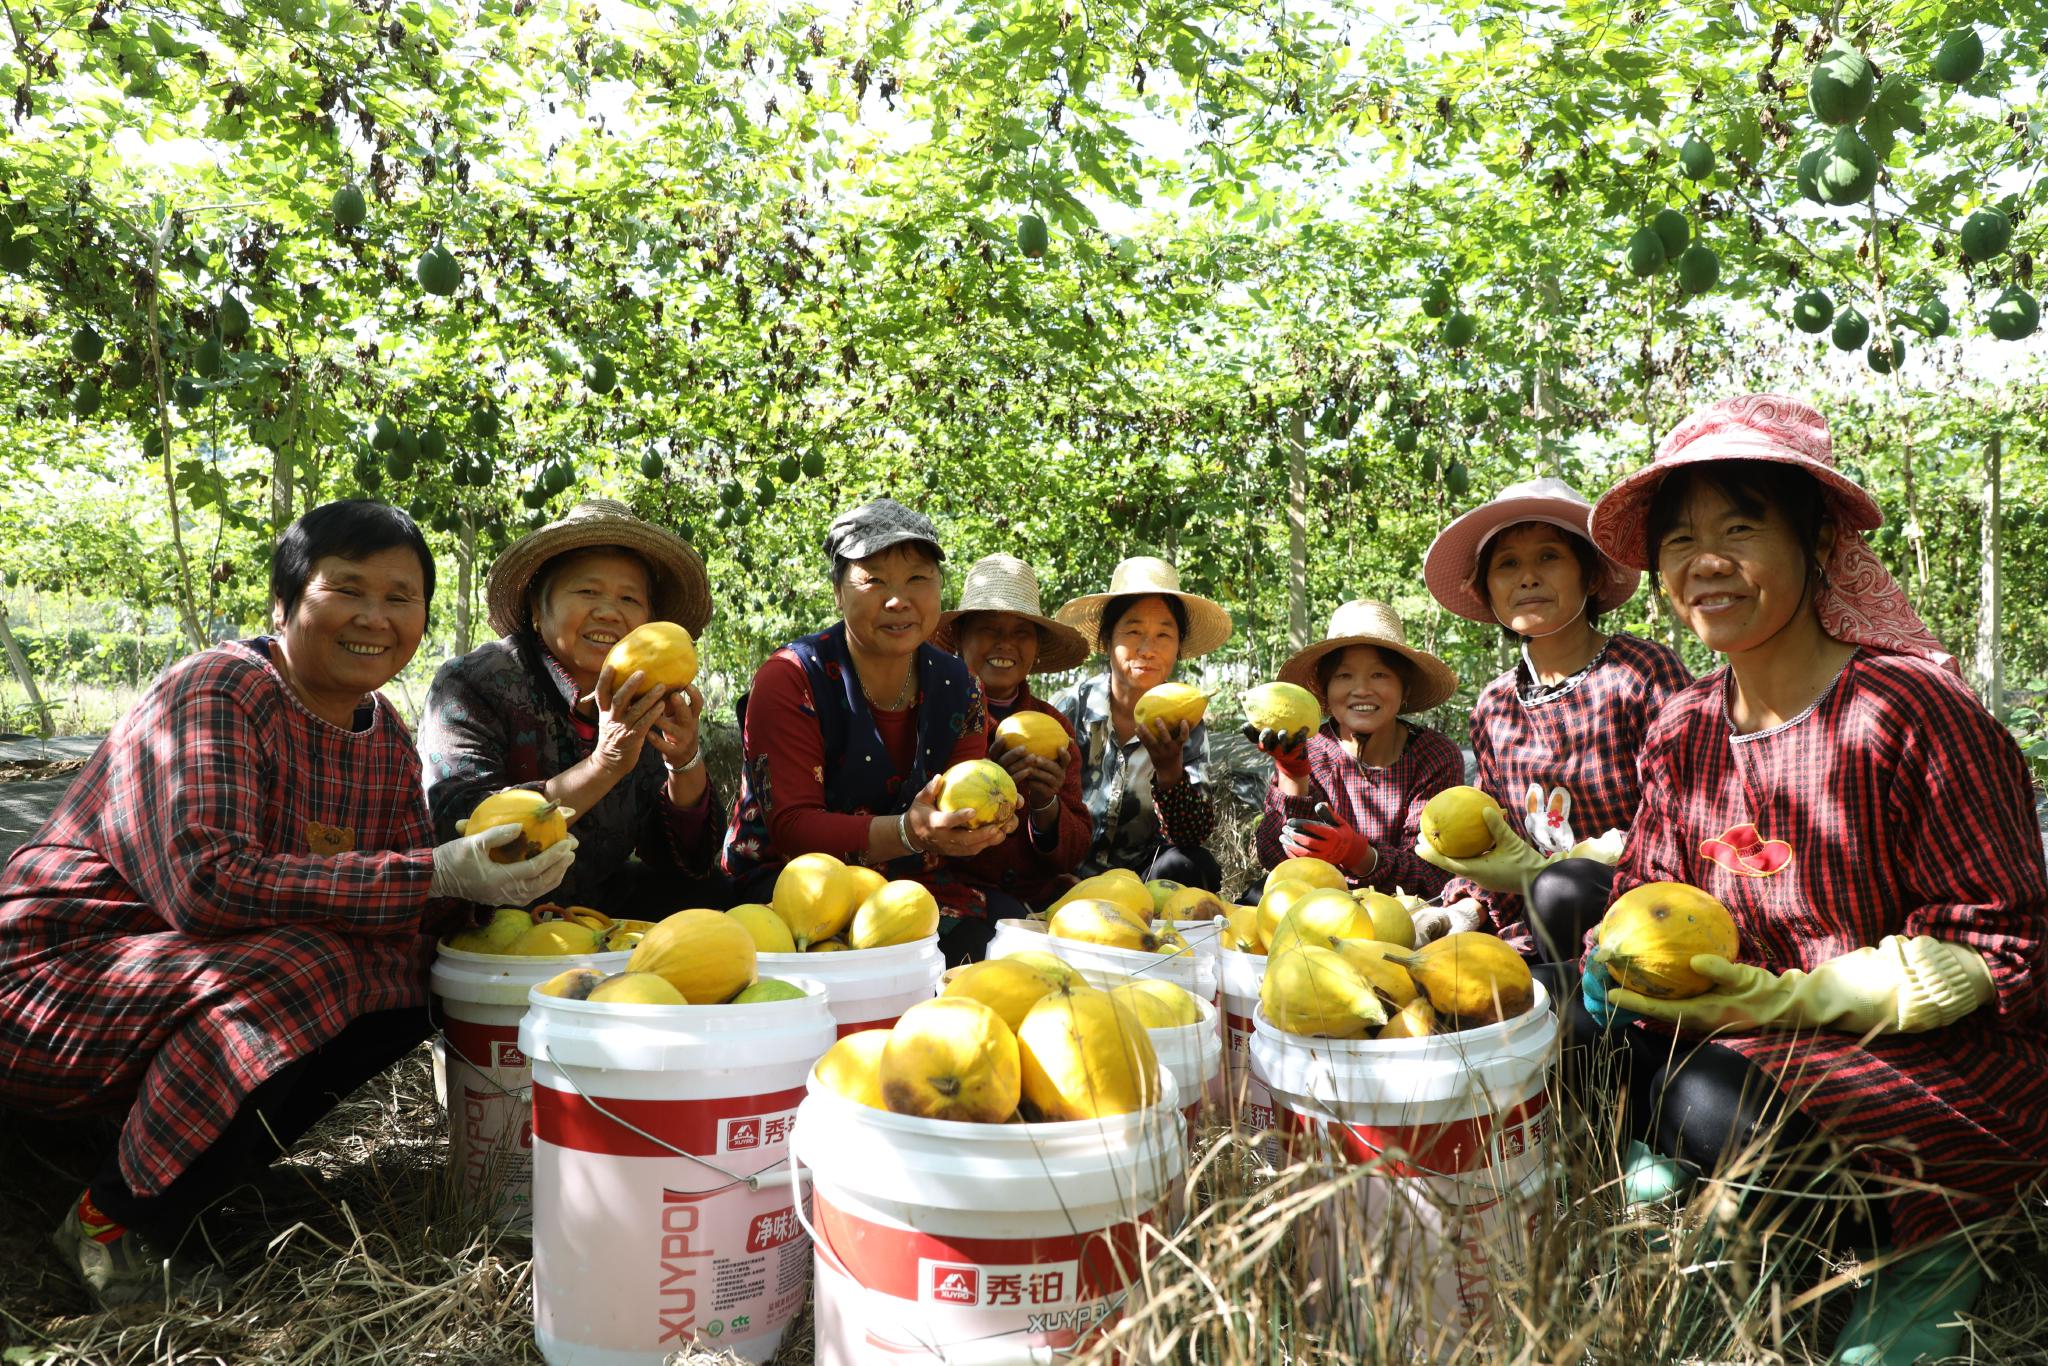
(1907, 810)
(500, 717)
(227, 884)
(1131, 819)
(1584, 739)
(1382, 804)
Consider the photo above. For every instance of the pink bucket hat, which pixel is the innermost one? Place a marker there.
(1453, 557)
(1858, 600)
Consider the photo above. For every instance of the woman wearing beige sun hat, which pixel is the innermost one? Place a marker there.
(1352, 792)
(538, 709)
(1146, 791)
(1002, 635)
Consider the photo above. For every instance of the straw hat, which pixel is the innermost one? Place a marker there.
(1449, 566)
(1004, 583)
(1208, 623)
(682, 594)
(1365, 622)
(1767, 427)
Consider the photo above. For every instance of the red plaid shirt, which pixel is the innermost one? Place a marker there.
(1584, 739)
(227, 884)
(1033, 867)
(1907, 810)
(1382, 804)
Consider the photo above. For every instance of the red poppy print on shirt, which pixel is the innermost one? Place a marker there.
(1746, 853)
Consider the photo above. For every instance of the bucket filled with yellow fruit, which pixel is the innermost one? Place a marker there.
(480, 979)
(1430, 1064)
(872, 942)
(983, 1171)
(1109, 923)
(664, 1097)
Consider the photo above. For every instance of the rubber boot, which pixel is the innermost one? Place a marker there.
(1906, 1311)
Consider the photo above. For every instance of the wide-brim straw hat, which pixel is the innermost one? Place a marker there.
(1768, 427)
(682, 592)
(1452, 561)
(1145, 576)
(1365, 622)
(1004, 583)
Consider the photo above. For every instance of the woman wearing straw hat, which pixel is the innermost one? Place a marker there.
(1003, 638)
(1147, 790)
(537, 708)
(848, 733)
(1871, 827)
(1352, 792)
(1554, 739)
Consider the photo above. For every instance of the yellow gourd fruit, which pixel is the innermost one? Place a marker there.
(830, 946)
(1085, 1056)
(1163, 890)
(1056, 971)
(770, 935)
(1159, 1004)
(951, 1058)
(661, 650)
(571, 984)
(539, 820)
(1241, 930)
(1194, 903)
(853, 1067)
(1283, 896)
(623, 935)
(899, 912)
(637, 989)
(1372, 959)
(814, 898)
(1318, 918)
(1416, 1020)
(1008, 987)
(1171, 703)
(1471, 977)
(1454, 822)
(1391, 920)
(1101, 922)
(981, 787)
(1314, 992)
(1033, 732)
(861, 882)
(1126, 892)
(1285, 707)
(1649, 935)
(556, 938)
(506, 924)
(1314, 871)
(769, 989)
(706, 955)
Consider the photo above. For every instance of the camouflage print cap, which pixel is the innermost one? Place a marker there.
(873, 527)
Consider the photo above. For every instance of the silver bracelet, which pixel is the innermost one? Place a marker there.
(696, 761)
(903, 833)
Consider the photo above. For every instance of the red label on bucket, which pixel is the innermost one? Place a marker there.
(1445, 1148)
(489, 1047)
(856, 1026)
(730, 1124)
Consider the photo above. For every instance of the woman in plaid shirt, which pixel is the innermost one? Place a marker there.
(1870, 826)
(1554, 740)
(225, 926)
(1352, 792)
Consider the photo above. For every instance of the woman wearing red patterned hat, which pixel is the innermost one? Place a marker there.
(1870, 826)
(1554, 739)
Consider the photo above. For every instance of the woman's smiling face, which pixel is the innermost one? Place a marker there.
(586, 603)
(1534, 580)
(999, 648)
(1365, 692)
(1736, 576)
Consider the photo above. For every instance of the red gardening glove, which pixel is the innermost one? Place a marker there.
(1288, 749)
(1331, 840)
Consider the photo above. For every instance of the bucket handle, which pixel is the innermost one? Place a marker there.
(803, 1216)
(752, 1183)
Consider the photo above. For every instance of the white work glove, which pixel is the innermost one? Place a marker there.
(463, 869)
(1434, 922)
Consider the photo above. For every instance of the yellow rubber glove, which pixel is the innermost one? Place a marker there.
(1903, 986)
(1506, 867)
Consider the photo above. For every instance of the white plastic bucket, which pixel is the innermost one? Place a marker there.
(1246, 1098)
(868, 988)
(1190, 971)
(1194, 1054)
(977, 1244)
(1459, 1126)
(479, 999)
(662, 1218)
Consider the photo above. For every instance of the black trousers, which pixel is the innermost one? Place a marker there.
(1192, 866)
(966, 941)
(272, 1118)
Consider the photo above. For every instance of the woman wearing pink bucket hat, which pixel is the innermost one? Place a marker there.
(1870, 827)
(1554, 739)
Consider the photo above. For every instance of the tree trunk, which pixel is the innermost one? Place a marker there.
(465, 561)
(181, 584)
(1297, 530)
(1991, 587)
(18, 661)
